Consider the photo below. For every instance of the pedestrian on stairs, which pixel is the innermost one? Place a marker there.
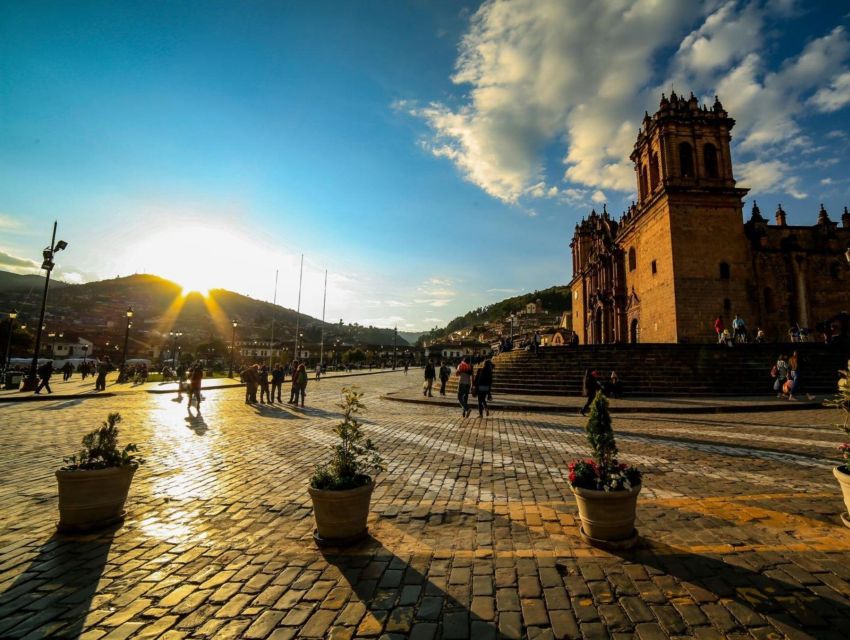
(590, 387)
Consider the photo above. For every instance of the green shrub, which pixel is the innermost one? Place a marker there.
(100, 449)
(602, 471)
(353, 459)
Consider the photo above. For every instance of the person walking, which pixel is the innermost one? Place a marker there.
(318, 372)
(780, 372)
(591, 386)
(103, 368)
(445, 372)
(251, 376)
(196, 378)
(483, 383)
(430, 375)
(796, 369)
(535, 343)
(277, 381)
(44, 373)
(406, 366)
(301, 382)
(718, 329)
(293, 390)
(67, 370)
(464, 374)
(264, 385)
(739, 329)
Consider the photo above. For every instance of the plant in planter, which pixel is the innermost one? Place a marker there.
(841, 401)
(606, 490)
(341, 489)
(94, 483)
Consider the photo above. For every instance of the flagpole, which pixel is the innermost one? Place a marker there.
(298, 311)
(274, 311)
(324, 302)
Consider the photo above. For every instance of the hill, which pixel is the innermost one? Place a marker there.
(97, 310)
(30, 282)
(554, 299)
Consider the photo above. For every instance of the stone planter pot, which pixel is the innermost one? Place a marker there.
(844, 482)
(608, 517)
(91, 499)
(341, 515)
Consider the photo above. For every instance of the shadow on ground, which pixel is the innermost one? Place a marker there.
(398, 595)
(54, 593)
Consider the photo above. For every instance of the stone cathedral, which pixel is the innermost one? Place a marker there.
(683, 255)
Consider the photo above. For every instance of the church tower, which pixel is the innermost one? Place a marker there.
(689, 214)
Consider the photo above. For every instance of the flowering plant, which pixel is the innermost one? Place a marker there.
(841, 401)
(602, 471)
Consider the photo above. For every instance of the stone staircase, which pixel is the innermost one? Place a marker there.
(664, 369)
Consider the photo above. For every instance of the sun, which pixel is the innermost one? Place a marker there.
(199, 258)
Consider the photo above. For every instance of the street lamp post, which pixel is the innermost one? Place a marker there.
(85, 352)
(512, 327)
(31, 382)
(232, 346)
(126, 336)
(174, 335)
(395, 335)
(12, 315)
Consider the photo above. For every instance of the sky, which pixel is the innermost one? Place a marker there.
(432, 156)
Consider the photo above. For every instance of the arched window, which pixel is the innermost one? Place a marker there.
(686, 160)
(769, 302)
(709, 152)
(724, 271)
(632, 259)
(644, 189)
(653, 170)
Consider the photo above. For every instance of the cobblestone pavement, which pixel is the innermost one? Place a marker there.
(474, 531)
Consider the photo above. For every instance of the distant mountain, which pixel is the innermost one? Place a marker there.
(411, 336)
(554, 299)
(17, 282)
(97, 310)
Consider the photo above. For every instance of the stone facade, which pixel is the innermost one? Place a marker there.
(682, 256)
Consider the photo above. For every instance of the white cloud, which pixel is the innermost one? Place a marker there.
(16, 264)
(769, 176)
(598, 197)
(826, 181)
(8, 222)
(835, 96)
(544, 72)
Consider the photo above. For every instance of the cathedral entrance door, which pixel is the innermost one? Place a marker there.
(597, 327)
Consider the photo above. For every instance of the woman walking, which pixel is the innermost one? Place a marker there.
(464, 373)
(483, 383)
(301, 381)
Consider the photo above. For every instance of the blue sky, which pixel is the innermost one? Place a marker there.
(432, 156)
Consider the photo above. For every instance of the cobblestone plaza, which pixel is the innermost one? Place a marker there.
(473, 527)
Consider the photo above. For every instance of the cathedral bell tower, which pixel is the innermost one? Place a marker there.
(687, 224)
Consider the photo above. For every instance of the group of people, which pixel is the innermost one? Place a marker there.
(739, 334)
(478, 382)
(270, 383)
(592, 382)
(788, 374)
(45, 373)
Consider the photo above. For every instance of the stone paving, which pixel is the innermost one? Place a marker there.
(473, 528)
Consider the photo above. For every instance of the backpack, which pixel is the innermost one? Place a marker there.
(774, 372)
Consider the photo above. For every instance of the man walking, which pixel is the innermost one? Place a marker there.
(591, 386)
(44, 372)
(445, 372)
(102, 369)
(430, 375)
(277, 381)
(251, 376)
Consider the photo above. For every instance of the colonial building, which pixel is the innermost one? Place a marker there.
(682, 256)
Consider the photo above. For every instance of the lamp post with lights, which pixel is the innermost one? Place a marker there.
(174, 335)
(129, 313)
(233, 346)
(32, 382)
(12, 315)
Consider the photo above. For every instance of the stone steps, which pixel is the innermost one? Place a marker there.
(674, 370)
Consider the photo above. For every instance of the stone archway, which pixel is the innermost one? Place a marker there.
(597, 326)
